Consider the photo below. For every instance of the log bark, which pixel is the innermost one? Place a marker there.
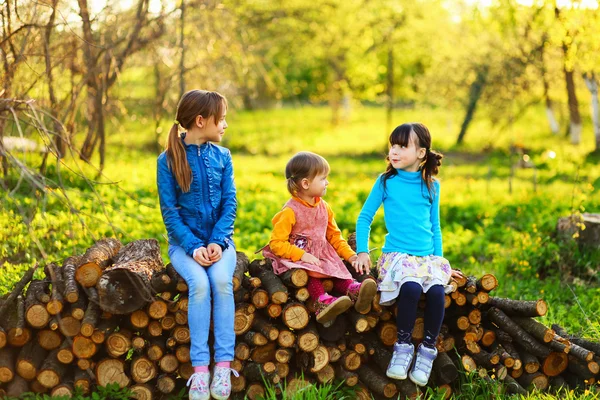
(521, 308)
(95, 260)
(350, 378)
(241, 266)
(78, 307)
(7, 365)
(8, 302)
(295, 278)
(51, 371)
(537, 381)
(35, 310)
(487, 282)
(444, 369)
(92, 313)
(105, 327)
(513, 387)
(69, 268)
(517, 333)
(530, 362)
(125, 286)
(255, 372)
(30, 359)
(263, 269)
(535, 328)
(254, 338)
(82, 380)
(17, 387)
(262, 325)
(265, 353)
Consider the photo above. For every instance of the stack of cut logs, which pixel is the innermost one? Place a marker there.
(117, 315)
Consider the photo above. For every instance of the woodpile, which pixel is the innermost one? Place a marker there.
(117, 315)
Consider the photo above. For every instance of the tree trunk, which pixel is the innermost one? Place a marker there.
(474, 95)
(592, 84)
(182, 46)
(389, 104)
(125, 286)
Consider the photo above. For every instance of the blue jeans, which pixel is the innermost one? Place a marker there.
(202, 282)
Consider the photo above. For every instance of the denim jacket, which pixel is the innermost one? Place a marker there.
(205, 214)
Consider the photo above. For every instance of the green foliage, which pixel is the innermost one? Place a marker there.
(326, 391)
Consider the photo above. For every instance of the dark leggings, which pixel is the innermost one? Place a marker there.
(408, 300)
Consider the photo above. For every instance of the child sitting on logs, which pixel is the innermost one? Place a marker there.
(305, 235)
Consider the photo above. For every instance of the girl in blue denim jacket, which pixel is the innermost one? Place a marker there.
(198, 206)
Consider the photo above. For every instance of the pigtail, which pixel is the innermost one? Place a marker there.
(177, 159)
(431, 167)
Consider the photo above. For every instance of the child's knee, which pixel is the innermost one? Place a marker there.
(198, 288)
(411, 289)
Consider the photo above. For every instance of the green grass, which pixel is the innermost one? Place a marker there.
(486, 227)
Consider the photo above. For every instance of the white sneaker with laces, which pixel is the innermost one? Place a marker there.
(422, 369)
(401, 360)
(220, 387)
(198, 384)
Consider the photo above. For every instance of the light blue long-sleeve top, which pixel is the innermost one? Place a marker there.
(411, 214)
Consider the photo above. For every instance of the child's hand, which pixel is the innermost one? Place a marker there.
(201, 257)
(457, 274)
(362, 264)
(214, 252)
(310, 259)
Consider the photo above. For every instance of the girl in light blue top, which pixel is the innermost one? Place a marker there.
(412, 261)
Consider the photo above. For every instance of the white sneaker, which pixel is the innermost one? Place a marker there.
(220, 387)
(198, 384)
(422, 369)
(401, 360)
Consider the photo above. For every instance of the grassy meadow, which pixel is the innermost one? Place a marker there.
(486, 227)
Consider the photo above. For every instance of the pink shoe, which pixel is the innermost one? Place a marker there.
(329, 307)
(362, 294)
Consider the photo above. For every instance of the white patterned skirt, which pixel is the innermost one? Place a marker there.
(396, 268)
